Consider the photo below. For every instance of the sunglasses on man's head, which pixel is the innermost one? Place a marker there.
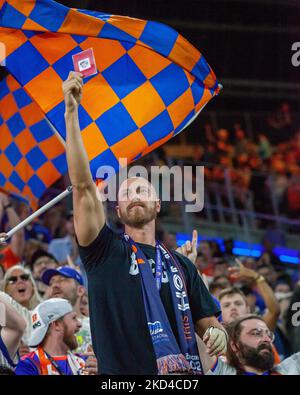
(14, 279)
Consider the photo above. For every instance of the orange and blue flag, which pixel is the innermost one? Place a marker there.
(32, 157)
(151, 82)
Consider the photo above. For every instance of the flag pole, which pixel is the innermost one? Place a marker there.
(37, 213)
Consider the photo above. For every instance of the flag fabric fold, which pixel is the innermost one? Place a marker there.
(151, 82)
(32, 157)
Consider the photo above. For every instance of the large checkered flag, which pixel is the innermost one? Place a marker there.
(32, 156)
(150, 83)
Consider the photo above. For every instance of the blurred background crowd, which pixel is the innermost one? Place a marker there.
(49, 242)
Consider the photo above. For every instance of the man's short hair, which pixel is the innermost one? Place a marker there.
(38, 254)
(230, 292)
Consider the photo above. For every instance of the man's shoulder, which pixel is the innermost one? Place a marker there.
(183, 260)
(221, 368)
(290, 366)
(27, 357)
(186, 263)
(108, 244)
(106, 234)
(28, 365)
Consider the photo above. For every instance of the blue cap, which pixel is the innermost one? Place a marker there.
(61, 271)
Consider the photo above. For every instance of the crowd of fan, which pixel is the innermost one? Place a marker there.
(269, 162)
(42, 262)
(42, 276)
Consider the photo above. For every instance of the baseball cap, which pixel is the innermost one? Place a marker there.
(65, 271)
(43, 315)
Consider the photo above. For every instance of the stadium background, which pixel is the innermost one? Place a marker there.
(248, 44)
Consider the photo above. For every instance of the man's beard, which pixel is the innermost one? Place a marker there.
(70, 339)
(253, 357)
(138, 218)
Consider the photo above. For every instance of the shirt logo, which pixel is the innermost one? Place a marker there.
(155, 327)
(134, 269)
(36, 325)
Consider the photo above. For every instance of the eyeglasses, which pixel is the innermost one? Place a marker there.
(14, 279)
(259, 333)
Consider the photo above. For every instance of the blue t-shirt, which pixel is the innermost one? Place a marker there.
(30, 365)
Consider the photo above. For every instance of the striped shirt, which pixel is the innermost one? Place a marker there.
(5, 359)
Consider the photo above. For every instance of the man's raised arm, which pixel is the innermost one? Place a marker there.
(88, 209)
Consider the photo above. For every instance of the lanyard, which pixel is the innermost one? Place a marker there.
(55, 364)
(158, 267)
(75, 363)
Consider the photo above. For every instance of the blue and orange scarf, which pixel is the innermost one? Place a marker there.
(171, 357)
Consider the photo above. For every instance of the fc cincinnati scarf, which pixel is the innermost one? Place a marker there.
(171, 357)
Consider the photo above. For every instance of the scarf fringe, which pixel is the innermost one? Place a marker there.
(173, 364)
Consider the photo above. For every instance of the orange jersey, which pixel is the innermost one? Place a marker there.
(8, 258)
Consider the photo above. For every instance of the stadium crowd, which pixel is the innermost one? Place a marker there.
(42, 263)
(266, 162)
(244, 305)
